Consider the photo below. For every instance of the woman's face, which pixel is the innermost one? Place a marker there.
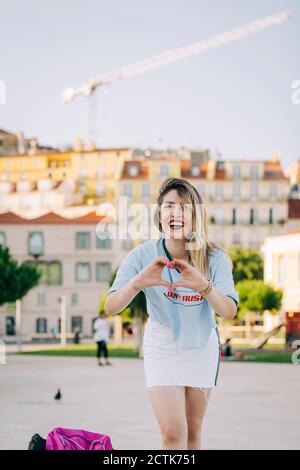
(175, 216)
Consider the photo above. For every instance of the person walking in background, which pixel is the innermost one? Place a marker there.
(227, 348)
(101, 336)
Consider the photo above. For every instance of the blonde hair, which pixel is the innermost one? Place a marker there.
(199, 247)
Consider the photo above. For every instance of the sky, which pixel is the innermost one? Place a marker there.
(236, 98)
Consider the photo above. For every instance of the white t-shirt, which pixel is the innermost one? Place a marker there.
(102, 330)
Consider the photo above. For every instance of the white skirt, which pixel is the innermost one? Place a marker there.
(165, 364)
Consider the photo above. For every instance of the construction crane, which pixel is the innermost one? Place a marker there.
(174, 55)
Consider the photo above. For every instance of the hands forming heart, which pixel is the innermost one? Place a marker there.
(191, 277)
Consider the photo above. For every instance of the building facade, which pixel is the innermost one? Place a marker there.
(74, 261)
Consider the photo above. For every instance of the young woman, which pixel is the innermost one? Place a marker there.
(186, 278)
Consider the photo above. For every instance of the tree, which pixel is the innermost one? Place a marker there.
(256, 296)
(247, 264)
(15, 279)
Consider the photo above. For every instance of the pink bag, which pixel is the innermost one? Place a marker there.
(77, 439)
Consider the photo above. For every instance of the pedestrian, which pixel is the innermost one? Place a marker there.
(227, 348)
(101, 336)
(186, 279)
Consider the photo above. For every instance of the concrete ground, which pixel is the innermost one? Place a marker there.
(255, 406)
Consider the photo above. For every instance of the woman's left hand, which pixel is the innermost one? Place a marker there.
(191, 277)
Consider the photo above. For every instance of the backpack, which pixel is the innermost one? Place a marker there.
(71, 439)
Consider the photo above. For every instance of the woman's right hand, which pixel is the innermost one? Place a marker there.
(151, 274)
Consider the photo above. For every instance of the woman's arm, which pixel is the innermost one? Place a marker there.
(149, 276)
(222, 304)
(117, 301)
(192, 278)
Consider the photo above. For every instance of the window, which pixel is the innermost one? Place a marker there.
(74, 298)
(83, 172)
(254, 239)
(236, 172)
(41, 298)
(100, 188)
(236, 239)
(219, 191)
(76, 324)
(103, 272)
(100, 171)
(219, 215)
(146, 190)
(273, 193)
(41, 325)
(35, 243)
(201, 190)
(38, 162)
(83, 272)
(10, 326)
(2, 238)
(103, 243)
(54, 272)
(254, 191)
(83, 240)
(164, 169)
(43, 269)
(133, 170)
(195, 170)
(253, 172)
(234, 221)
(83, 189)
(253, 216)
(271, 216)
(51, 271)
(127, 189)
(236, 192)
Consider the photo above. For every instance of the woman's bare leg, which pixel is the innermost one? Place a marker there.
(168, 403)
(196, 401)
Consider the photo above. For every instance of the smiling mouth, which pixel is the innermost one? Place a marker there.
(176, 225)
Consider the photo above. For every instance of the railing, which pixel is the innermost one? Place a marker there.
(243, 334)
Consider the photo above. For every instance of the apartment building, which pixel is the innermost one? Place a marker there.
(75, 261)
(282, 270)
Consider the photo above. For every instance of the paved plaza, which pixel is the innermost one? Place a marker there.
(255, 406)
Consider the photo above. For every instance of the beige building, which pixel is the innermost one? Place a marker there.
(74, 262)
(246, 200)
(36, 198)
(282, 267)
(282, 270)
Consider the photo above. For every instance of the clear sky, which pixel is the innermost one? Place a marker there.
(236, 98)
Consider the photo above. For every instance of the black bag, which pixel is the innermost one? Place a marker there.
(37, 443)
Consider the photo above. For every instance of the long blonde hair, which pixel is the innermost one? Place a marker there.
(198, 256)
